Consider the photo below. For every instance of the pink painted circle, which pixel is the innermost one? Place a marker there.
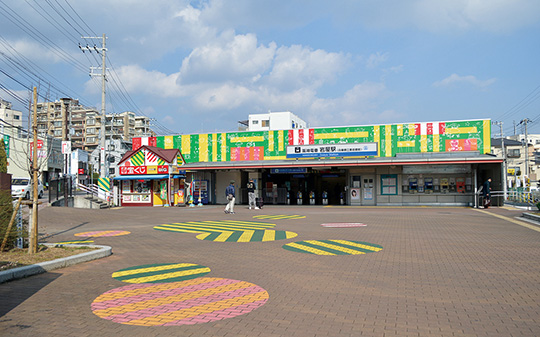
(343, 224)
(103, 233)
(200, 300)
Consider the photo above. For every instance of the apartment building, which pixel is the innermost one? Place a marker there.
(68, 119)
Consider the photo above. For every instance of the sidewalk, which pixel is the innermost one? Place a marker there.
(440, 272)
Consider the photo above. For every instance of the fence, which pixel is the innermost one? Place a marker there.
(60, 188)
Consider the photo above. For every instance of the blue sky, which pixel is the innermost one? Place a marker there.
(201, 66)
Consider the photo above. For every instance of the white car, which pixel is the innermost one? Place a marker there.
(23, 186)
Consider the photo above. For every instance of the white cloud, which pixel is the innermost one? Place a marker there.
(470, 79)
(374, 60)
(236, 57)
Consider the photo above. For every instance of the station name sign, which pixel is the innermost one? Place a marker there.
(128, 170)
(332, 150)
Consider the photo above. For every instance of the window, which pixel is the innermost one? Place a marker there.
(57, 124)
(254, 122)
(91, 131)
(266, 123)
(16, 117)
(513, 153)
(91, 122)
(389, 184)
(90, 139)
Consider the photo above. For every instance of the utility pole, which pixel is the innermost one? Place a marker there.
(504, 170)
(102, 171)
(32, 246)
(525, 121)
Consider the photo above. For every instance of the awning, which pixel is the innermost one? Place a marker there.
(143, 177)
(176, 176)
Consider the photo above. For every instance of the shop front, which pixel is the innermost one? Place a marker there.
(150, 176)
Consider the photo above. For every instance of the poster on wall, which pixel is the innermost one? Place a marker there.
(355, 194)
(368, 193)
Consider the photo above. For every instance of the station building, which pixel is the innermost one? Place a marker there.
(429, 163)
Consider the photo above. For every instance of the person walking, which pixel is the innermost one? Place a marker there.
(251, 194)
(229, 193)
(487, 193)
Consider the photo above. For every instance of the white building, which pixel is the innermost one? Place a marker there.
(275, 121)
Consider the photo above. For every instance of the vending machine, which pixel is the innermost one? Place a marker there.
(445, 186)
(460, 185)
(413, 185)
(428, 185)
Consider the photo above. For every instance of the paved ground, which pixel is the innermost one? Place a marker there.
(441, 272)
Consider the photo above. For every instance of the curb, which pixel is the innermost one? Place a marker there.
(38, 268)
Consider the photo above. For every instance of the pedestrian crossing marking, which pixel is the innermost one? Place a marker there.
(343, 224)
(159, 273)
(279, 217)
(247, 236)
(214, 226)
(333, 247)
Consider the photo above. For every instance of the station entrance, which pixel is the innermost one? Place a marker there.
(303, 186)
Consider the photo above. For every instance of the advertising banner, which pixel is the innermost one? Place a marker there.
(332, 150)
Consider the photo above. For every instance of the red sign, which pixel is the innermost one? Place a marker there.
(162, 169)
(81, 171)
(39, 144)
(126, 170)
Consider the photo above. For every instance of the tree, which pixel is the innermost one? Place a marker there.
(3, 158)
(6, 203)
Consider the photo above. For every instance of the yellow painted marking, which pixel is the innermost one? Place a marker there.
(334, 247)
(290, 235)
(114, 208)
(156, 268)
(200, 309)
(359, 245)
(73, 242)
(223, 147)
(247, 139)
(335, 135)
(186, 144)
(309, 249)
(269, 236)
(156, 288)
(214, 147)
(412, 130)
(517, 222)
(377, 138)
(406, 143)
(150, 279)
(270, 140)
(173, 229)
(275, 157)
(436, 143)
(400, 129)
(170, 299)
(454, 131)
(423, 143)
(487, 136)
(168, 140)
(246, 236)
(281, 140)
(388, 139)
(203, 148)
(223, 237)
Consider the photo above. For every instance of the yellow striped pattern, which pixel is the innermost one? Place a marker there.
(335, 135)
(247, 139)
(279, 217)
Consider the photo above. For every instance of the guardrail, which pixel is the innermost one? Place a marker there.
(95, 191)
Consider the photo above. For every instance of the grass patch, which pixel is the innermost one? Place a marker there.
(19, 257)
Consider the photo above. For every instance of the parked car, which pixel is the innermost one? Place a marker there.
(23, 186)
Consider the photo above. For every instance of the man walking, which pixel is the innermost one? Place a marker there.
(251, 194)
(487, 193)
(229, 193)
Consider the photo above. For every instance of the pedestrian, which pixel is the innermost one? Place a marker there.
(487, 193)
(251, 194)
(229, 193)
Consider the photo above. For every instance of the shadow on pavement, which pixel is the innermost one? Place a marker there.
(16, 292)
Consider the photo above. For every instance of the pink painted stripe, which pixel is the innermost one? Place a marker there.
(338, 224)
(220, 314)
(160, 294)
(180, 305)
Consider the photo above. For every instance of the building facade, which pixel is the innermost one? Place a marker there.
(437, 163)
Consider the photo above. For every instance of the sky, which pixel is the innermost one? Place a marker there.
(202, 66)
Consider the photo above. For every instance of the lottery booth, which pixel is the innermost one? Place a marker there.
(151, 176)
